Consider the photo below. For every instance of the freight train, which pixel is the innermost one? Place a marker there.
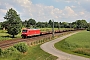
(34, 32)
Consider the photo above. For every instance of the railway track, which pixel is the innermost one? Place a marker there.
(6, 44)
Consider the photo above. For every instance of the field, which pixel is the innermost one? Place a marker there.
(50, 29)
(5, 36)
(78, 44)
(33, 53)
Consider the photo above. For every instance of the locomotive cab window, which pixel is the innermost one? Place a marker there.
(24, 31)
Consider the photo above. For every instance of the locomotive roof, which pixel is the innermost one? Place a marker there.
(31, 29)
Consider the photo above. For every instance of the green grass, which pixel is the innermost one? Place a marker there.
(78, 44)
(50, 29)
(33, 53)
(5, 36)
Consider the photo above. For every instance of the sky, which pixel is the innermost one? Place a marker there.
(45, 10)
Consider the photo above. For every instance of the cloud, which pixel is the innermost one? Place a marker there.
(40, 12)
(44, 13)
(69, 12)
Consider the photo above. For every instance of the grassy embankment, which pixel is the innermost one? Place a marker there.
(78, 44)
(33, 53)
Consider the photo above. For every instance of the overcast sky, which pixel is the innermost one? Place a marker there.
(44, 10)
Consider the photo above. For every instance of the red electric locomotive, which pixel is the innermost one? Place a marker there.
(30, 32)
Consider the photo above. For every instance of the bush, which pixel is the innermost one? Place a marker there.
(8, 51)
(88, 29)
(11, 49)
(21, 47)
(0, 51)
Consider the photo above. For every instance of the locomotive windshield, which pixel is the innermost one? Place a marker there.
(24, 31)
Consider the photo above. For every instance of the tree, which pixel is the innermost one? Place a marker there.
(88, 29)
(31, 22)
(56, 24)
(14, 22)
(74, 25)
(81, 23)
(64, 24)
(41, 24)
(84, 23)
(0, 25)
(4, 25)
(50, 23)
(46, 25)
(24, 23)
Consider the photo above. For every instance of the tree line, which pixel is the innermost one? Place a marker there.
(31, 23)
(14, 24)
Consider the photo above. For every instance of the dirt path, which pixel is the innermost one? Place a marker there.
(49, 47)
